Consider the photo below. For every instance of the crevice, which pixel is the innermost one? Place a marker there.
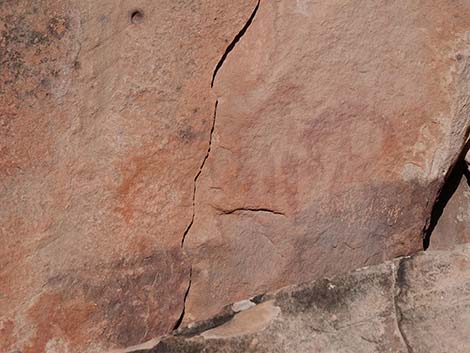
(214, 117)
(244, 209)
(451, 182)
(200, 327)
(188, 228)
(234, 43)
(225, 315)
(398, 282)
(466, 173)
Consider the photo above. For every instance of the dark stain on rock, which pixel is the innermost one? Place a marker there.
(401, 278)
(130, 295)
(186, 135)
(18, 31)
(323, 294)
(14, 62)
(198, 345)
(30, 52)
(46, 83)
(58, 26)
(331, 295)
(175, 345)
(104, 19)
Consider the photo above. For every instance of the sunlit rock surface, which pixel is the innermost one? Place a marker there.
(162, 159)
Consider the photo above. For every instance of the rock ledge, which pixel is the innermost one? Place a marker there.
(411, 304)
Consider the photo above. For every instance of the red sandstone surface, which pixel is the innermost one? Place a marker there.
(162, 159)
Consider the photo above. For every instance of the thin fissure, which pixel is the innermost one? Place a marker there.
(180, 319)
(234, 42)
(214, 117)
(245, 209)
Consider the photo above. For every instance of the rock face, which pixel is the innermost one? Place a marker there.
(225, 147)
(336, 125)
(105, 115)
(418, 304)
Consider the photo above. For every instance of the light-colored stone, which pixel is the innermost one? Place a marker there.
(253, 320)
(242, 305)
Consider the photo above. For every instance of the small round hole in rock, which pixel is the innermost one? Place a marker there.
(137, 16)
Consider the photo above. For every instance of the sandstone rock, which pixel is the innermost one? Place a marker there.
(277, 141)
(434, 301)
(105, 114)
(335, 127)
(417, 304)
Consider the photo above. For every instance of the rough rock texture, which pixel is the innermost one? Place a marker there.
(452, 213)
(417, 304)
(320, 147)
(336, 125)
(105, 116)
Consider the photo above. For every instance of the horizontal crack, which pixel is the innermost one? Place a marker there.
(244, 209)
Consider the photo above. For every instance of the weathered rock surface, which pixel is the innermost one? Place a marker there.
(105, 115)
(320, 148)
(418, 304)
(336, 124)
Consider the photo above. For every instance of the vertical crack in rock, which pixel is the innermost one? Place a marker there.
(398, 281)
(188, 228)
(217, 68)
(234, 42)
(214, 117)
(180, 319)
(450, 185)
